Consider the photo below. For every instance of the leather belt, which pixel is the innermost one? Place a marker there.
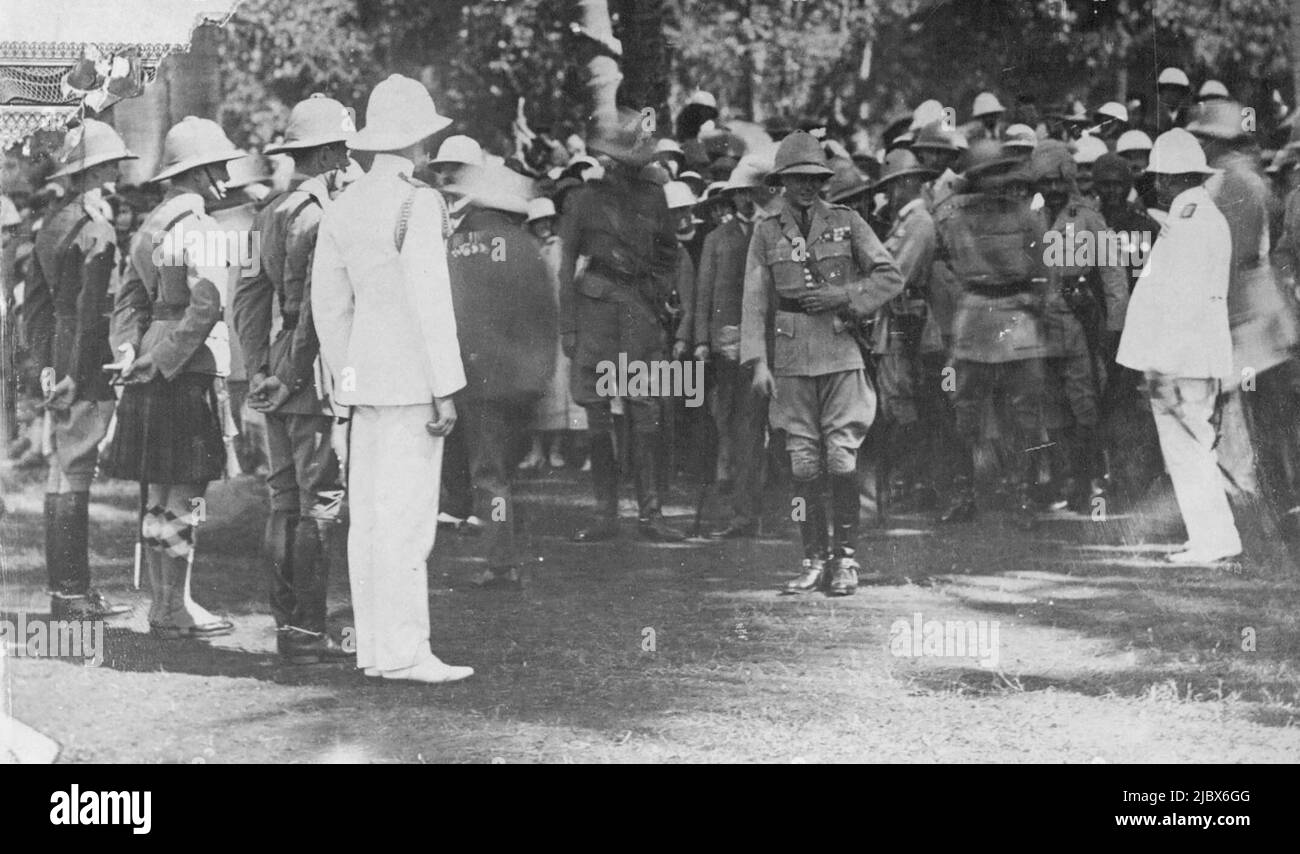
(791, 305)
(1007, 289)
(169, 310)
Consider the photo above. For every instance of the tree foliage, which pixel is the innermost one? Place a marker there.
(761, 58)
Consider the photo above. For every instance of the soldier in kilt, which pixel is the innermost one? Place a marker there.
(168, 327)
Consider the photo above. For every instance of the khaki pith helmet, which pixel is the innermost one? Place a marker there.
(91, 144)
(194, 142)
(801, 154)
(314, 122)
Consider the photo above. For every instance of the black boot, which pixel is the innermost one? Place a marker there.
(648, 451)
(961, 508)
(812, 532)
(73, 597)
(281, 533)
(845, 517)
(1025, 516)
(604, 479)
(310, 574)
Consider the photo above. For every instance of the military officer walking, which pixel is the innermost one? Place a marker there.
(814, 271)
(66, 311)
(285, 381)
(381, 300)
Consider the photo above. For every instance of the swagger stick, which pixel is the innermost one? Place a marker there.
(139, 533)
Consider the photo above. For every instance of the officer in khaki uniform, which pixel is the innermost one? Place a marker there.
(66, 310)
(1083, 314)
(615, 308)
(814, 271)
(285, 381)
(991, 241)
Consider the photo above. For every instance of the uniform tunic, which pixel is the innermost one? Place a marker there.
(388, 337)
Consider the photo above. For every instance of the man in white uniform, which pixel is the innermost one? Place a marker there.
(1176, 332)
(381, 299)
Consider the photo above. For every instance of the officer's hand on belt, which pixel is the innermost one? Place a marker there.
(763, 382)
(823, 299)
(444, 411)
(701, 352)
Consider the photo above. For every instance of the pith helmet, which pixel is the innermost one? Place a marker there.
(900, 163)
(1218, 120)
(399, 114)
(1177, 152)
(987, 158)
(750, 172)
(315, 121)
(801, 154)
(986, 104)
(540, 208)
(1132, 140)
(1021, 137)
(1087, 149)
(1113, 110)
(250, 169)
(1173, 77)
(935, 136)
(1052, 159)
(194, 142)
(678, 195)
(459, 149)
(1212, 89)
(90, 145)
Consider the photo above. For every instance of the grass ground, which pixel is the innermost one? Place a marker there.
(640, 652)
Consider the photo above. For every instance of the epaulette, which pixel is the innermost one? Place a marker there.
(838, 207)
(413, 181)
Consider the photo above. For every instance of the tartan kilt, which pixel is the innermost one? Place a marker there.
(168, 432)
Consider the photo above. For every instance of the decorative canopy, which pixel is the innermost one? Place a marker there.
(66, 56)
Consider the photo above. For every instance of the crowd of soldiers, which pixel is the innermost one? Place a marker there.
(946, 305)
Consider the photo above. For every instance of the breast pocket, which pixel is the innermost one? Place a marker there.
(788, 274)
(785, 350)
(833, 259)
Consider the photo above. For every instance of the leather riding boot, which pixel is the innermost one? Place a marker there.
(310, 574)
(281, 534)
(604, 481)
(648, 452)
(962, 506)
(55, 569)
(812, 528)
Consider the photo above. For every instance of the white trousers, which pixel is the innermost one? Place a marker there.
(394, 474)
(1183, 410)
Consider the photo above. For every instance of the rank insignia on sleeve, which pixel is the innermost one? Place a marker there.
(1188, 211)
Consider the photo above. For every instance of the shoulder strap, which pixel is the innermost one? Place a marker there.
(404, 216)
(66, 245)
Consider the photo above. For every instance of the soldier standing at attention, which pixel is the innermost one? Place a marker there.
(1086, 300)
(991, 241)
(304, 478)
(814, 271)
(615, 307)
(66, 311)
(382, 304)
(167, 323)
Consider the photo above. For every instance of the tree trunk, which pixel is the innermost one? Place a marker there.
(1294, 38)
(188, 84)
(603, 75)
(645, 56)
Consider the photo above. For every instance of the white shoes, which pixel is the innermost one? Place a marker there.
(431, 672)
(1200, 556)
